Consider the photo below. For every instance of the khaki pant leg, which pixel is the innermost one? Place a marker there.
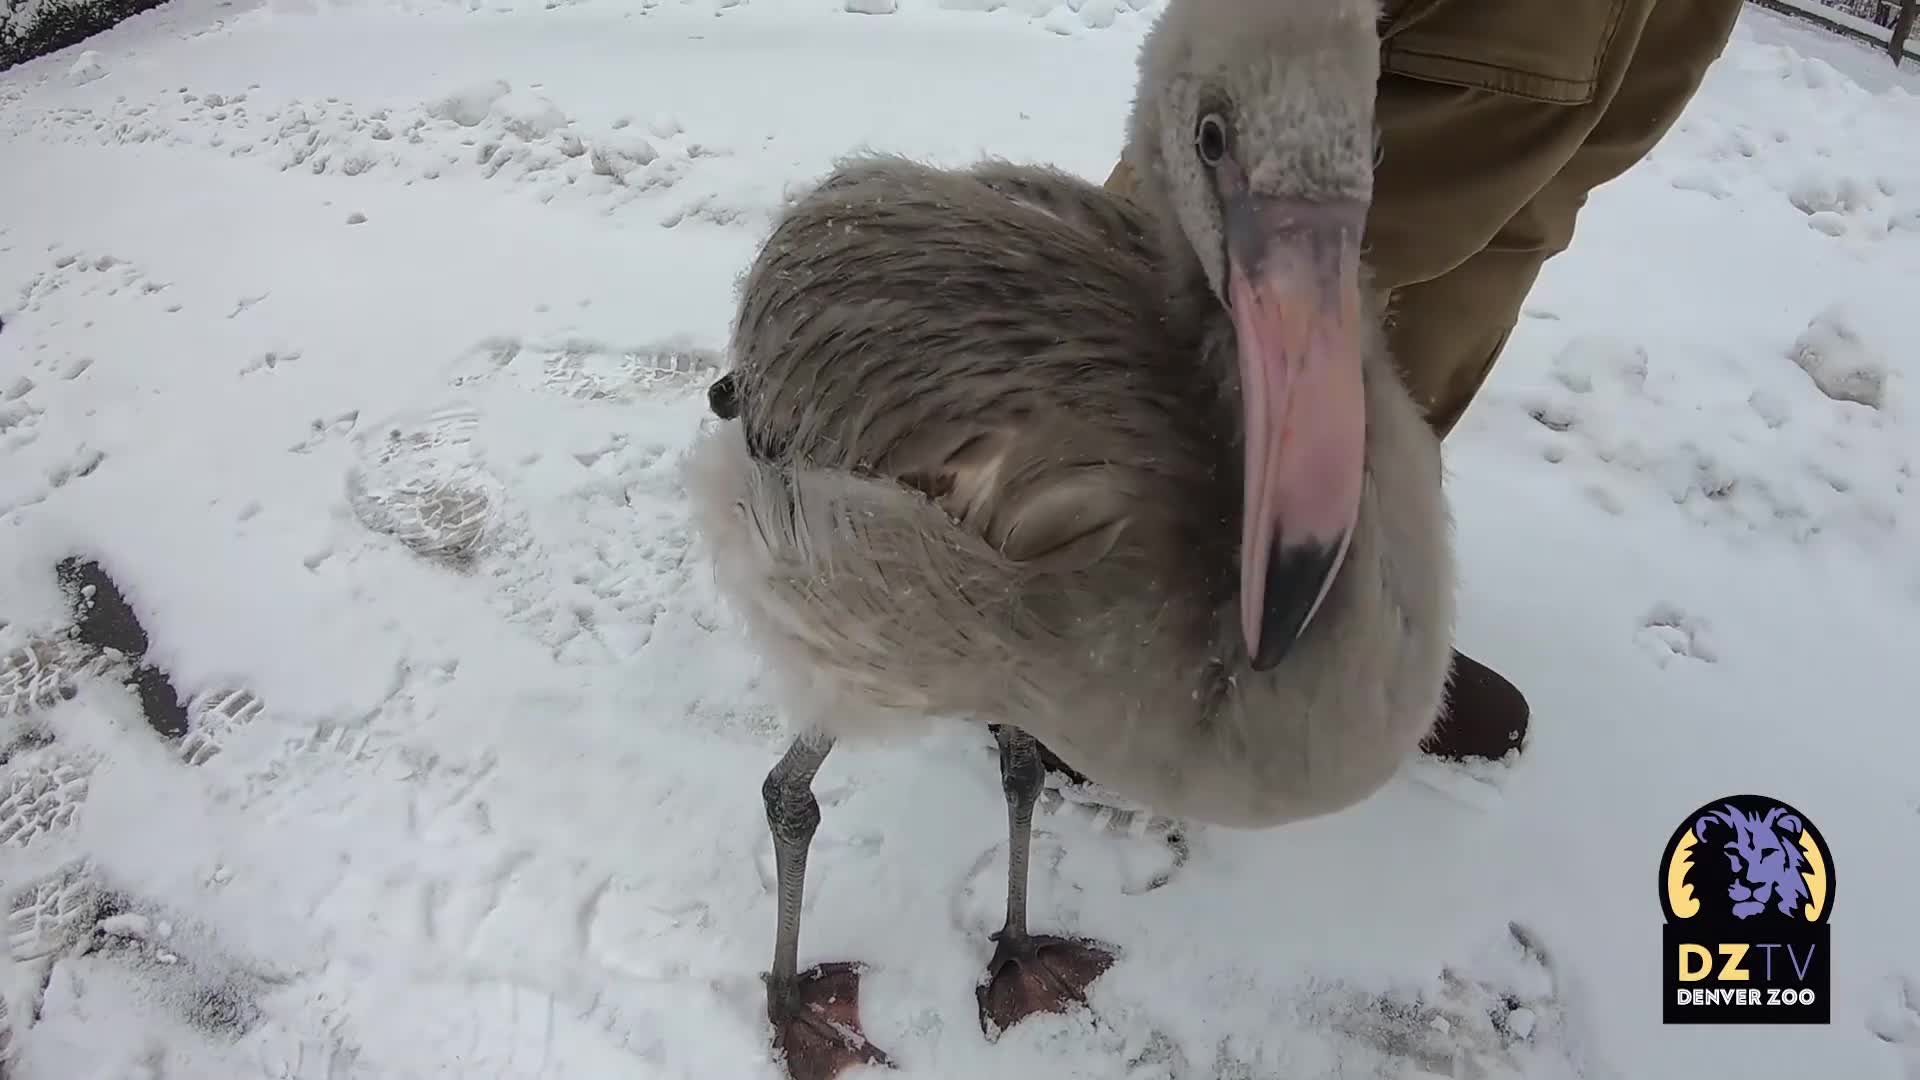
(1504, 116)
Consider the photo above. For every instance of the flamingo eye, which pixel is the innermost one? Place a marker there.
(1210, 138)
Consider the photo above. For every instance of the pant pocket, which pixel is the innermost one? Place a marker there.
(1544, 50)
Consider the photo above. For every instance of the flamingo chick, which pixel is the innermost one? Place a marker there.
(1134, 478)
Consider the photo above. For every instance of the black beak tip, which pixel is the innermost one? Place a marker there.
(723, 397)
(1296, 577)
(1272, 650)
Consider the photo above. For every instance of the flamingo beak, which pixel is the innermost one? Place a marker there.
(1294, 295)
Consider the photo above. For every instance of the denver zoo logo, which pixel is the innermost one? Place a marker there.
(1747, 884)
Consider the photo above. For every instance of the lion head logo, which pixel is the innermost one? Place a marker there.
(1748, 857)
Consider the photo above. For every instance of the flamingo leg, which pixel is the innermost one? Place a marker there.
(815, 1013)
(1030, 973)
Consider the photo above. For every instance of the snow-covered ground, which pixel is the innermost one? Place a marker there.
(494, 811)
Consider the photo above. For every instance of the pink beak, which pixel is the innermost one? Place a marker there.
(1293, 288)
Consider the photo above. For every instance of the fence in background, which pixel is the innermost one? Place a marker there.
(1870, 21)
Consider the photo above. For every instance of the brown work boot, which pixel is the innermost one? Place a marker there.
(1485, 716)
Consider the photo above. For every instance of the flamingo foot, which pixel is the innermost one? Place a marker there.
(1038, 974)
(817, 1025)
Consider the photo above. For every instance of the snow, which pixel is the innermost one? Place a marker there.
(87, 68)
(1840, 362)
(360, 341)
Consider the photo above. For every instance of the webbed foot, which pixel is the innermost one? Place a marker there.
(1035, 974)
(817, 1024)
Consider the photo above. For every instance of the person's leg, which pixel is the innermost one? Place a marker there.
(1496, 122)
(1491, 180)
(1497, 118)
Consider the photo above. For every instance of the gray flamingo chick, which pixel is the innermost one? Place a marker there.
(1132, 477)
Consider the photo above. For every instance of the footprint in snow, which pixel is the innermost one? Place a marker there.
(338, 1026)
(20, 414)
(1895, 1020)
(107, 640)
(508, 1028)
(372, 767)
(72, 918)
(423, 478)
(177, 962)
(1840, 360)
(1586, 371)
(43, 791)
(486, 130)
(48, 913)
(420, 479)
(271, 360)
(45, 917)
(213, 718)
(21, 407)
(586, 370)
(39, 674)
(74, 465)
(324, 429)
(628, 930)
(1839, 204)
(76, 275)
(310, 1048)
(1628, 426)
(1668, 633)
(583, 545)
(1704, 179)
(1498, 1016)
